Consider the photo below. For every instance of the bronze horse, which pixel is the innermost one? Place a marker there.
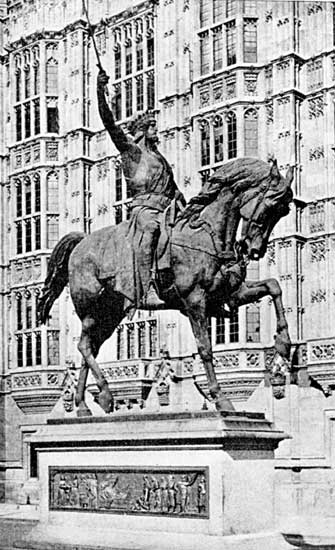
(207, 271)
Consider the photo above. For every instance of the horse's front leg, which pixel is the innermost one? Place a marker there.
(82, 408)
(196, 312)
(250, 292)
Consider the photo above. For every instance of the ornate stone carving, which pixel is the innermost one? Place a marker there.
(286, 277)
(284, 134)
(52, 150)
(318, 250)
(315, 74)
(204, 97)
(317, 217)
(283, 100)
(102, 209)
(269, 356)
(269, 113)
(285, 243)
(317, 153)
(318, 296)
(179, 492)
(320, 352)
(227, 360)
(217, 88)
(271, 254)
(187, 138)
(122, 371)
(52, 378)
(253, 360)
(250, 83)
(283, 65)
(74, 39)
(314, 7)
(27, 381)
(316, 107)
(230, 86)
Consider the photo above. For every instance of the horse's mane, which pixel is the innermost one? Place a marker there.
(237, 175)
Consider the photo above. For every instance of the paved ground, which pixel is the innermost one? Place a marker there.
(16, 522)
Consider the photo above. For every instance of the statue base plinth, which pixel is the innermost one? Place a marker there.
(206, 476)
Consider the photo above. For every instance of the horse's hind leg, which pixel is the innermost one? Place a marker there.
(86, 347)
(82, 408)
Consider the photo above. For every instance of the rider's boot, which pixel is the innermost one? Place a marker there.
(151, 298)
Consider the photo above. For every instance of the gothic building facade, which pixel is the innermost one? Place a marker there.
(227, 78)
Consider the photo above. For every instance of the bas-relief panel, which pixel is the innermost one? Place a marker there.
(173, 492)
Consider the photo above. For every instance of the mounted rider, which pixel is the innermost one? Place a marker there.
(150, 183)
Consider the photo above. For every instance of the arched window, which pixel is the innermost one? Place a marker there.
(205, 143)
(29, 311)
(52, 76)
(18, 84)
(217, 48)
(36, 70)
(52, 186)
(139, 53)
(27, 119)
(18, 198)
(27, 223)
(139, 93)
(251, 133)
(120, 343)
(27, 193)
(129, 57)
(204, 53)
(37, 189)
(150, 91)
(231, 135)
(205, 13)
(27, 81)
(19, 247)
(231, 8)
(150, 50)
(19, 350)
(218, 139)
(117, 102)
(37, 204)
(129, 97)
(250, 41)
(19, 320)
(234, 326)
(218, 10)
(117, 61)
(253, 323)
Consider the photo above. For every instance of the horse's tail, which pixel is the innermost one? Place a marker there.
(57, 275)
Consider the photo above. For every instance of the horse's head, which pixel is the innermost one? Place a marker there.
(262, 206)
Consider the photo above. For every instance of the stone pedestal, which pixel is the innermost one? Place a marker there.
(200, 473)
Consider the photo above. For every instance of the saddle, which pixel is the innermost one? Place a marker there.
(117, 258)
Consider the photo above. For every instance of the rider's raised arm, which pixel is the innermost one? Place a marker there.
(118, 136)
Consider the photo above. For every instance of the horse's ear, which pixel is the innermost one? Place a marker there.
(289, 175)
(274, 168)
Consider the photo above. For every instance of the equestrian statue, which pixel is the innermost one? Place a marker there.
(169, 255)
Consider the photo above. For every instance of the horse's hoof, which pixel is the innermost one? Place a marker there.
(83, 410)
(105, 400)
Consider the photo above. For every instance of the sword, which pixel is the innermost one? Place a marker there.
(91, 33)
